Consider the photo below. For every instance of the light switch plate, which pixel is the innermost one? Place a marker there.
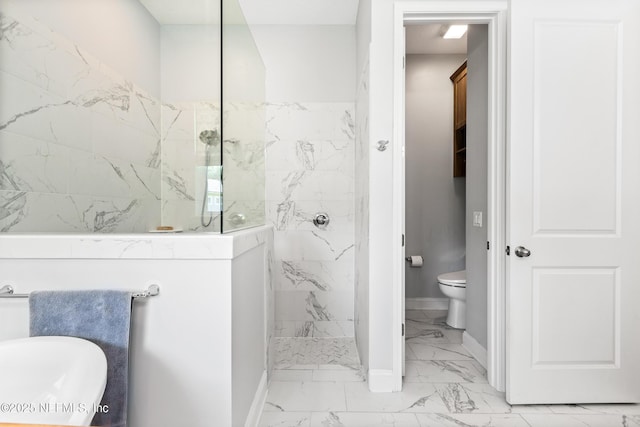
(477, 219)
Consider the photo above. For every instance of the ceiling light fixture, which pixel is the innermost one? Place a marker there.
(455, 32)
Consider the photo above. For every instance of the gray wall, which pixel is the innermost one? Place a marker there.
(435, 200)
(477, 99)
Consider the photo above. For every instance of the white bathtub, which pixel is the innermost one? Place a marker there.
(198, 350)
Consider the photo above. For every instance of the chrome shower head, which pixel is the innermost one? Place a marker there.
(209, 137)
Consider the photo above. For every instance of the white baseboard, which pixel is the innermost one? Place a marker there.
(426, 303)
(253, 417)
(477, 351)
(380, 380)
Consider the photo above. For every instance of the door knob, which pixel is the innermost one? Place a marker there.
(522, 252)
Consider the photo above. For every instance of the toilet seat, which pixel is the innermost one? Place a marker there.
(456, 279)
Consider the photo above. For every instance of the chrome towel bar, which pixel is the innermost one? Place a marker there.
(7, 292)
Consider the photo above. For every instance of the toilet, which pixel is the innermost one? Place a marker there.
(454, 286)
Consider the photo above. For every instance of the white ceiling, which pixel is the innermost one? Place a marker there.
(421, 39)
(282, 12)
(427, 39)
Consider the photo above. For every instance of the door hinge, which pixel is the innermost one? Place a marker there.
(403, 329)
(488, 247)
(403, 240)
(508, 250)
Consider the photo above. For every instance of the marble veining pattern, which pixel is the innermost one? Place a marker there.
(184, 157)
(319, 382)
(309, 169)
(80, 143)
(313, 352)
(79, 136)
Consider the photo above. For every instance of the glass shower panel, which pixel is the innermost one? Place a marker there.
(191, 119)
(243, 123)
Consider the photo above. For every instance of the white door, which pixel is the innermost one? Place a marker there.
(573, 305)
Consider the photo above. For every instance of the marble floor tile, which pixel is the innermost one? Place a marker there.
(414, 397)
(362, 419)
(580, 420)
(426, 333)
(471, 398)
(285, 419)
(286, 396)
(319, 382)
(471, 420)
(444, 371)
(294, 352)
(339, 367)
(420, 351)
(593, 409)
(622, 409)
(291, 375)
(530, 409)
(343, 375)
(332, 351)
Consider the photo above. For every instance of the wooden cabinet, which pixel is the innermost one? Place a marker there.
(459, 79)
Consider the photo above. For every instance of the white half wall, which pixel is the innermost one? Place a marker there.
(247, 331)
(197, 348)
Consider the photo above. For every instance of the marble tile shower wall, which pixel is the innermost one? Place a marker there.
(183, 185)
(310, 169)
(79, 144)
(244, 164)
(84, 150)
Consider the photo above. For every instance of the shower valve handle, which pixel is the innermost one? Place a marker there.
(321, 220)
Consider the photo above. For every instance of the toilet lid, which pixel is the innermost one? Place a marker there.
(456, 278)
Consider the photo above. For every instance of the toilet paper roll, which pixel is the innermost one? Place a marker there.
(415, 261)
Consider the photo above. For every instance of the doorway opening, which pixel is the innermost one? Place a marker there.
(451, 258)
(446, 83)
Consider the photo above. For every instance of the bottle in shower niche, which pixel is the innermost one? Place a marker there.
(214, 190)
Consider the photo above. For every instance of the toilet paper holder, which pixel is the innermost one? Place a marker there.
(415, 261)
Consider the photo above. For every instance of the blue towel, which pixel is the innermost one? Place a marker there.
(102, 317)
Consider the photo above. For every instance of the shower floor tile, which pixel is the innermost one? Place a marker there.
(311, 353)
(319, 382)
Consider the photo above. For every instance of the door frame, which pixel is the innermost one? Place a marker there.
(494, 14)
